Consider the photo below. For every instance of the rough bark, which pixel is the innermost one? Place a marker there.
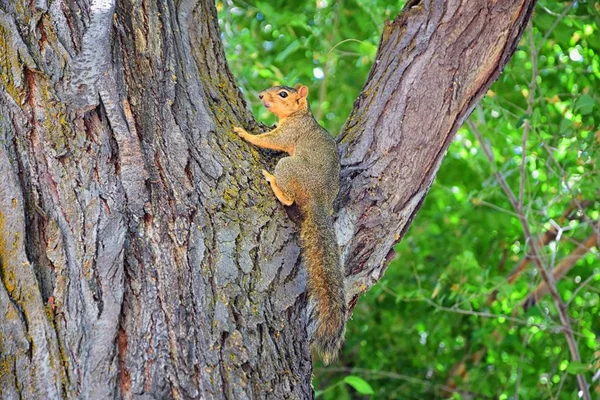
(141, 253)
(435, 61)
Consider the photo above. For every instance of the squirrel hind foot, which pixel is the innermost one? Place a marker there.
(282, 197)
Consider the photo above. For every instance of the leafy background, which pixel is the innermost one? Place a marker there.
(445, 321)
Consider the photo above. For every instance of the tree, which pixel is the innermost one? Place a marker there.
(141, 252)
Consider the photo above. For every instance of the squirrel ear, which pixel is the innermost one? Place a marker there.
(302, 90)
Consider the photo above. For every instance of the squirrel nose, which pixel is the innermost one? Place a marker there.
(260, 96)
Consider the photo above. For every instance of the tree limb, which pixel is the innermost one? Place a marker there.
(434, 62)
(560, 271)
(548, 236)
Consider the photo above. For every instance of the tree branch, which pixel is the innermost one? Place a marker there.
(434, 62)
(548, 236)
(560, 271)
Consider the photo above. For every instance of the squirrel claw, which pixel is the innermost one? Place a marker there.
(269, 177)
(240, 131)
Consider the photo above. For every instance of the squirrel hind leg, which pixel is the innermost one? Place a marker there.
(282, 197)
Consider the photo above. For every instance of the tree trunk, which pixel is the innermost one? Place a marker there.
(141, 253)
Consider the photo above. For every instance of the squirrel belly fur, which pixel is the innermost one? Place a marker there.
(309, 177)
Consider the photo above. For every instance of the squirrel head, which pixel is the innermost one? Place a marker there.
(284, 101)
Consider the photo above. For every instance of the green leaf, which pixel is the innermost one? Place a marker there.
(537, 116)
(565, 127)
(295, 45)
(521, 120)
(368, 49)
(576, 367)
(585, 104)
(359, 384)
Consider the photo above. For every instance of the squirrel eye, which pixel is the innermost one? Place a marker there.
(283, 94)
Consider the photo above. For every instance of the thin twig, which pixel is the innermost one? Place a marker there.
(560, 271)
(548, 236)
(344, 41)
(555, 24)
(519, 369)
(328, 62)
(563, 378)
(495, 207)
(596, 376)
(536, 251)
(481, 314)
(527, 123)
(583, 284)
(579, 203)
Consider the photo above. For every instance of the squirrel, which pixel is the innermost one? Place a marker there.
(309, 177)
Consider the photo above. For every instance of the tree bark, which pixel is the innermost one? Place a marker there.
(141, 253)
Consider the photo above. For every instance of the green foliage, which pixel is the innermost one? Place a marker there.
(444, 322)
(327, 45)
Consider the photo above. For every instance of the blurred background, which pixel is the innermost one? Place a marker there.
(455, 315)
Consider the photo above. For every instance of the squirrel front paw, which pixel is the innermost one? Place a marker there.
(240, 131)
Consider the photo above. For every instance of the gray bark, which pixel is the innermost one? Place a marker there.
(141, 253)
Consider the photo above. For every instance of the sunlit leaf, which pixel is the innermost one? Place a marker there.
(359, 384)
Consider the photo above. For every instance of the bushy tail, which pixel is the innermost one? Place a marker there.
(327, 306)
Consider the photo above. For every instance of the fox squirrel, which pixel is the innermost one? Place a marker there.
(309, 177)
